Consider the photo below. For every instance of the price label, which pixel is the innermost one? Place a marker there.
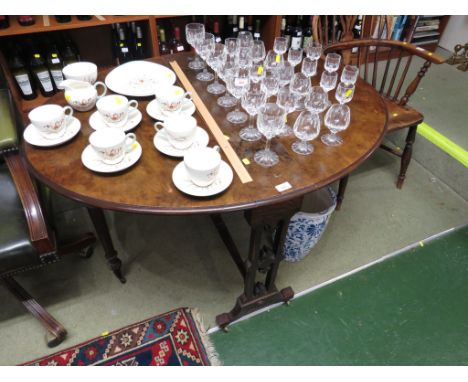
(278, 58)
(55, 61)
(180, 48)
(118, 100)
(256, 35)
(348, 92)
(125, 50)
(241, 81)
(54, 55)
(218, 39)
(37, 56)
(138, 43)
(260, 70)
(246, 161)
(283, 186)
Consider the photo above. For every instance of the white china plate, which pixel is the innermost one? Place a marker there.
(134, 118)
(161, 142)
(139, 78)
(91, 160)
(154, 111)
(33, 137)
(182, 181)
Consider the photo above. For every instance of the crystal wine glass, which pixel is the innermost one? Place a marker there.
(205, 49)
(317, 100)
(344, 92)
(238, 85)
(216, 61)
(309, 67)
(313, 50)
(227, 70)
(280, 46)
(295, 56)
(337, 119)
(286, 73)
(306, 128)
(300, 87)
(257, 73)
(270, 82)
(244, 57)
(273, 60)
(270, 119)
(258, 51)
(251, 102)
(286, 99)
(328, 80)
(195, 33)
(332, 62)
(349, 74)
(231, 46)
(245, 39)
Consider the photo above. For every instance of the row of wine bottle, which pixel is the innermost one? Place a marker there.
(31, 20)
(128, 42)
(37, 65)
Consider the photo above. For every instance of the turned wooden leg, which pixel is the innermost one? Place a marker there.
(406, 156)
(341, 191)
(102, 231)
(56, 333)
(269, 226)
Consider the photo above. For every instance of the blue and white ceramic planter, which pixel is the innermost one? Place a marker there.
(306, 228)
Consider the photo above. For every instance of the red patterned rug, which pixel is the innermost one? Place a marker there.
(175, 338)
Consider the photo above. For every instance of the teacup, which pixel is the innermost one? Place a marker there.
(202, 165)
(81, 71)
(171, 98)
(114, 109)
(180, 130)
(51, 120)
(111, 144)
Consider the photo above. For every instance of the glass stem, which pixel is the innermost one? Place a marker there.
(251, 121)
(267, 146)
(216, 77)
(237, 104)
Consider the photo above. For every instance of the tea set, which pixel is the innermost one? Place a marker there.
(112, 148)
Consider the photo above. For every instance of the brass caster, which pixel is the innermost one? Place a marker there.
(225, 329)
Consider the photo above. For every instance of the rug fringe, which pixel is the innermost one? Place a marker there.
(211, 352)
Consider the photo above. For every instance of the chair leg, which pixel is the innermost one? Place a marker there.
(406, 156)
(341, 191)
(56, 333)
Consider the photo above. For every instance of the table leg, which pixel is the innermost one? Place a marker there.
(102, 231)
(269, 226)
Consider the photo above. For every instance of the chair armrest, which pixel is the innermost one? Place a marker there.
(8, 137)
(39, 233)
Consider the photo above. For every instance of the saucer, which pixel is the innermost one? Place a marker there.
(182, 181)
(134, 118)
(153, 109)
(161, 142)
(92, 161)
(33, 137)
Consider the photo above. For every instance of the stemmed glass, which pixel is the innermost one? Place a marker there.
(237, 85)
(257, 73)
(270, 82)
(313, 50)
(215, 60)
(273, 60)
(286, 99)
(317, 100)
(295, 56)
(227, 70)
(328, 80)
(344, 92)
(309, 67)
(258, 51)
(337, 119)
(270, 119)
(300, 87)
(195, 32)
(285, 72)
(205, 49)
(280, 46)
(244, 57)
(306, 128)
(332, 62)
(349, 74)
(231, 46)
(251, 102)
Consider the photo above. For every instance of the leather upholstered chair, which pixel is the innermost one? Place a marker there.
(26, 240)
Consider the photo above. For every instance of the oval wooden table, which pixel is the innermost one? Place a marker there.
(147, 186)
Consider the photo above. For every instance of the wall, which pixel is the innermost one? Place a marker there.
(455, 33)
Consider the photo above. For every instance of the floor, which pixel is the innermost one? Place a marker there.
(172, 262)
(410, 309)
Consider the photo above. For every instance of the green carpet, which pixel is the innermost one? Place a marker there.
(411, 309)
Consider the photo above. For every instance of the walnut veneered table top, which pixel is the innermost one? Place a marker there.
(147, 186)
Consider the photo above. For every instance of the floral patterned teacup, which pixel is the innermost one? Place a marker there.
(81, 71)
(202, 165)
(51, 120)
(111, 144)
(114, 109)
(180, 130)
(171, 98)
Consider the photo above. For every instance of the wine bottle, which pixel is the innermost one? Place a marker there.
(257, 34)
(307, 31)
(26, 20)
(63, 19)
(241, 26)
(283, 26)
(250, 26)
(228, 26)
(22, 76)
(54, 63)
(68, 52)
(41, 74)
(217, 35)
(124, 54)
(4, 22)
(139, 44)
(163, 47)
(296, 36)
(288, 31)
(235, 27)
(176, 44)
